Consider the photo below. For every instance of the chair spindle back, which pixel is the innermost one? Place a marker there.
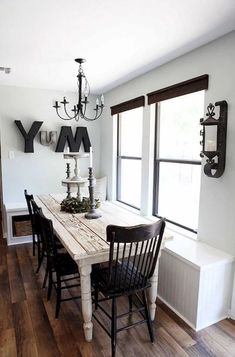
(48, 236)
(133, 255)
(29, 199)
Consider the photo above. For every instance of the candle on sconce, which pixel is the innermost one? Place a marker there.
(97, 102)
(90, 156)
(210, 145)
(102, 99)
(86, 92)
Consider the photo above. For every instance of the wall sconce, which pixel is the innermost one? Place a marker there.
(214, 139)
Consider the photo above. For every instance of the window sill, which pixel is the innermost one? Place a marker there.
(128, 208)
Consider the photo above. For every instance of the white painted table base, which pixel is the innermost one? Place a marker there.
(152, 293)
(85, 240)
(86, 299)
(85, 280)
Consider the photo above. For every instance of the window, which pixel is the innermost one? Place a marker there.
(129, 157)
(177, 164)
(129, 151)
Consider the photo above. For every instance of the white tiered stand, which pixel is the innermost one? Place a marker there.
(76, 181)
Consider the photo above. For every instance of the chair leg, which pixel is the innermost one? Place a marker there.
(149, 322)
(130, 302)
(34, 243)
(40, 256)
(45, 276)
(96, 298)
(114, 327)
(58, 295)
(49, 283)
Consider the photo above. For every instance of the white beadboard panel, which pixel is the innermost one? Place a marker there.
(177, 312)
(200, 294)
(179, 285)
(215, 291)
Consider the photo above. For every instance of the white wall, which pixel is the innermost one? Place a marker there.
(43, 170)
(217, 200)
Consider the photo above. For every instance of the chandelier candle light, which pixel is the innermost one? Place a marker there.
(79, 110)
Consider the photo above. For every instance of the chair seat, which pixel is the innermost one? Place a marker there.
(65, 264)
(125, 279)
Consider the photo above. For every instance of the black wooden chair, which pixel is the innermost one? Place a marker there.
(60, 265)
(40, 242)
(132, 260)
(37, 241)
(36, 232)
(29, 199)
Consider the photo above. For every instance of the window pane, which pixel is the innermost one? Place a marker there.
(130, 182)
(179, 126)
(130, 132)
(179, 186)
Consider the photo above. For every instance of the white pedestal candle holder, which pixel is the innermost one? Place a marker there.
(92, 214)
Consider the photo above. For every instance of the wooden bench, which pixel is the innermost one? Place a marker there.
(17, 223)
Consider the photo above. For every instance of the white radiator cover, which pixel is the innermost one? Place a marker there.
(195, 281)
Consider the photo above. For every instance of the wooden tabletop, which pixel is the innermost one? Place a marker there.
(83, 238)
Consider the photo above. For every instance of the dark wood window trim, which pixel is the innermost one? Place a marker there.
(192, 85)
(119, 160)
(128, 105)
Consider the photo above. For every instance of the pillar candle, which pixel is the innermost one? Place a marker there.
(90, 156)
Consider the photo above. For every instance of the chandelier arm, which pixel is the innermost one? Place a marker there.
(61, 116)
(96, 116)
(70, 117)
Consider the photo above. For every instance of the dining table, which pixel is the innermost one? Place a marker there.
(85, 241)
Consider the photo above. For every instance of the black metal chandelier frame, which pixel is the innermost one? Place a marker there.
(79, 110)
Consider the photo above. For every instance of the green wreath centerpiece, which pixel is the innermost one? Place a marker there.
(73, 205)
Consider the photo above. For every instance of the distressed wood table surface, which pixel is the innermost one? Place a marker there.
(85, 241)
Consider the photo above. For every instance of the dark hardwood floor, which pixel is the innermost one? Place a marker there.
(28, 326)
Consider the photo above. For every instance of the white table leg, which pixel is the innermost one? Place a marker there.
(85, 280)
(152, 293)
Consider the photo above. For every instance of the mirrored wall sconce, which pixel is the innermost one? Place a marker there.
(214, 139)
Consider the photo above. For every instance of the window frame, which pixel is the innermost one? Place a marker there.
(117, 110)
(118, 170)
(176, 90)
(156, 168)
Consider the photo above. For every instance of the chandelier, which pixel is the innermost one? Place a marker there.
(79, 110)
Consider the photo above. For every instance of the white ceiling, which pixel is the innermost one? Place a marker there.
(121, 39)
